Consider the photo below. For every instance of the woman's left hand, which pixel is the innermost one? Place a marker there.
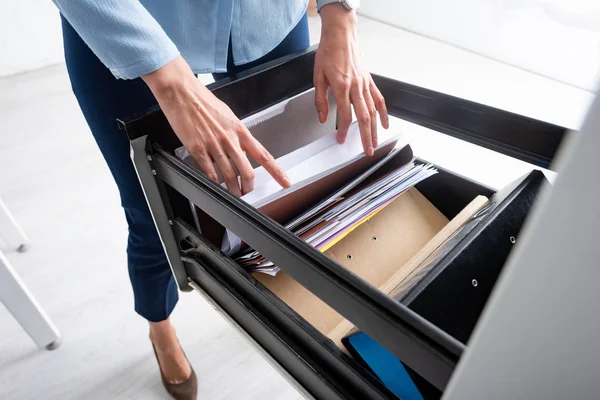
(338, 65)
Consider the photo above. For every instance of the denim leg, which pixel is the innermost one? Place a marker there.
(102, 99)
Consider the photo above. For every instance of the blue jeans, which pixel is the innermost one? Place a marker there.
(103, 99)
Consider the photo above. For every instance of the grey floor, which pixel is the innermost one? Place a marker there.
(54, 180)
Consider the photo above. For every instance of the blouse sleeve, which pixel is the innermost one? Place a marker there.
(122, 34)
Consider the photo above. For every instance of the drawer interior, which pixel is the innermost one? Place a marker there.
(385, 251)
(374, 251)
(421, 213)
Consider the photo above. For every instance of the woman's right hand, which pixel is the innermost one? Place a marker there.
(208, 128)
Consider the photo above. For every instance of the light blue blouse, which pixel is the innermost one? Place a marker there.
(136, 37)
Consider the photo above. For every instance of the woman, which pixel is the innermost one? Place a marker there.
(125, 55)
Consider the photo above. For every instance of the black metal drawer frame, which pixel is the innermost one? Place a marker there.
(311, 359)
(422, 346)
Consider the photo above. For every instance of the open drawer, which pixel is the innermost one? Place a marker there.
(425, 321)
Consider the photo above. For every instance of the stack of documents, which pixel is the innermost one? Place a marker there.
(326, 224)
(312, 163)
(315, 170)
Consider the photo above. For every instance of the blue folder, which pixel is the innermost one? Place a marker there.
(385, 365)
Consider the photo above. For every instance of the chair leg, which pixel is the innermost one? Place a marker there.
(22, 305)
(10, 230)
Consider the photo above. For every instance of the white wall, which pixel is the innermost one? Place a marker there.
(555, 38)
(30, 35)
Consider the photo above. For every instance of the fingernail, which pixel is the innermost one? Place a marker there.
(369, 151)
(321, 117)
(287, 181)
(375, 143)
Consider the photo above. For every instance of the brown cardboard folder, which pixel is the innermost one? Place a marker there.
(384, 251)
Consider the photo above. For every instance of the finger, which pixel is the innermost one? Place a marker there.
(204, 161)
(240, 160)
(264, 158)
(342, 98)
(380, 105)
(227, 171)
(364, 119)
(321, 102)
(373, 113)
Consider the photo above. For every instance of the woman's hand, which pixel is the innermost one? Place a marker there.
(338, 65)
(208, 128)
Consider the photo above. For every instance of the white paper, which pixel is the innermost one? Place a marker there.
(309, 214)
(230, 244)
(356, 198)
(269, 271)
(352, 213)
(312, 162)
